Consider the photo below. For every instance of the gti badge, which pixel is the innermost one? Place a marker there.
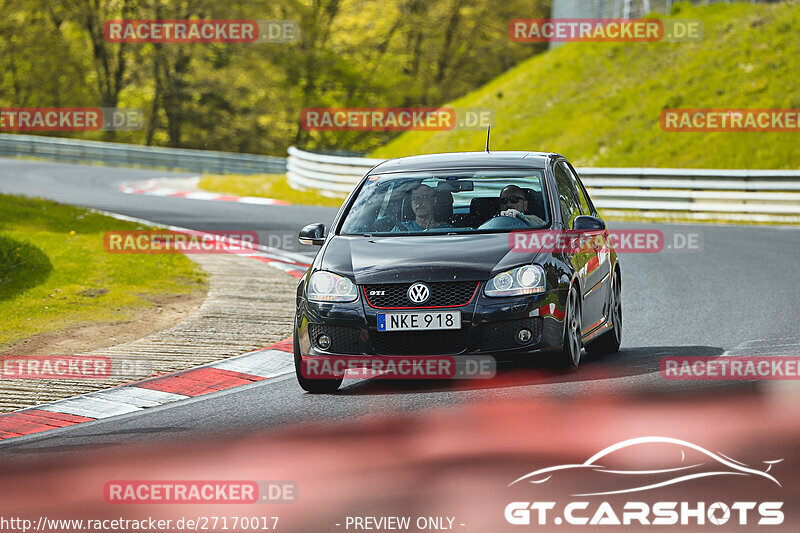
(419, 293)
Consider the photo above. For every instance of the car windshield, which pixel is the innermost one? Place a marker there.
(418, 203)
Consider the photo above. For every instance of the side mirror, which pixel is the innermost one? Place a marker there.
(313, 234)
(587, 223)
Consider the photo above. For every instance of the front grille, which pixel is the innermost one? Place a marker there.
(420, 342)
(503, 335)
(344, 339)
(443, 294)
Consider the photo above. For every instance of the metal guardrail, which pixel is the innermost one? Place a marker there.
(623, 8)
(743, 194)
(72, 150)
(329, 173)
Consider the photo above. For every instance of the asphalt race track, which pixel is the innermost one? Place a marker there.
(737, 295)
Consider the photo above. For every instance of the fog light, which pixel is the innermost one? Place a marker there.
(324, 342)
(524, 335)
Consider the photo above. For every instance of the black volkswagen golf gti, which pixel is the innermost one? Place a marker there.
(455, 255)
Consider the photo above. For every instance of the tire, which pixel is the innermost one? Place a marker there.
(570, 355)
(609, 342)
(314, 386)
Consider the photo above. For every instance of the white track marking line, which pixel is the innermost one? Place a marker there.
(138, 396)
(264, 363)
(90, 407)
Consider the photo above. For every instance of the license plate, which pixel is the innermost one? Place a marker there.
(420, 320)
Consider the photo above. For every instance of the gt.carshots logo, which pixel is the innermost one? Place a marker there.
(605, 472)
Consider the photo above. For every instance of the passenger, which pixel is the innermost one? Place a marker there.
(424, 205)
(513, 203)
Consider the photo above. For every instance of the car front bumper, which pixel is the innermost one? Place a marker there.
(489, 326)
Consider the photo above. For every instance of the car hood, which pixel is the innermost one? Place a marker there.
(427, 257)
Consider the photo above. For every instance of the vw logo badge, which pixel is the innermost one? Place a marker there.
(419, 293)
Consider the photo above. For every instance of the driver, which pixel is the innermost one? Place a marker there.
(423, 203)
(513, 203)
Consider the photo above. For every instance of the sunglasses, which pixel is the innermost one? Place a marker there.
(511, 199)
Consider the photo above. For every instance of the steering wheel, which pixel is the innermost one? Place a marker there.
(504, 222)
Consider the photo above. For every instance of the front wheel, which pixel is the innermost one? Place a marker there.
(570, 355)
(609, 341)
(314, 386)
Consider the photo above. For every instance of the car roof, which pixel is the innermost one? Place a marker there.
(466, 160)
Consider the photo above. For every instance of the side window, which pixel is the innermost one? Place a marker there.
(580, 192)
(567, 196)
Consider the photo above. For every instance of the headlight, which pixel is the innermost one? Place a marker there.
(329, 287)
(528, 279)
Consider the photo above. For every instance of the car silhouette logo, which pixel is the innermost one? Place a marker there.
(419, 293)
(708, 464)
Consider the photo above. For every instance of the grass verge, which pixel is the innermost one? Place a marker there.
(55, 273)
(599, 103)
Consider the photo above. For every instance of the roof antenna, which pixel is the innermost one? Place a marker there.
(488, 130)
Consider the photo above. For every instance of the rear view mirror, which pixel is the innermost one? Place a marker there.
(313, 234)
(456, 185)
